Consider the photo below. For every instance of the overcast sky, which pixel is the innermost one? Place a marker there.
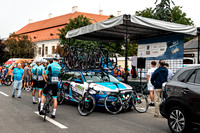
(15, 14)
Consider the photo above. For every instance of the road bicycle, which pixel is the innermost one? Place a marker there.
(124, 99)
(87, 104)
(6, 81)
(48, 104)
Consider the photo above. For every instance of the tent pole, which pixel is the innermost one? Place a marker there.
(198, 47)
(126, 37)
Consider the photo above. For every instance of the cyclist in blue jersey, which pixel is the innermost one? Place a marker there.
(51, 77)
(35, 79)
(4, 75)
(41, 82)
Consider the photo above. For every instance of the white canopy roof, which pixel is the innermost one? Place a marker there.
(113, 30)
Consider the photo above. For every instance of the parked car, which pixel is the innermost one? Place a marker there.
(181, 103)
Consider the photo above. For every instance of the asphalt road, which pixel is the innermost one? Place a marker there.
(18, 116)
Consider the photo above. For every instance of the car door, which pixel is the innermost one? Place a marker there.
(193, 85)
(77, 86)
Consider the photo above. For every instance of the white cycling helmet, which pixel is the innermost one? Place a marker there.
(38, 61)
(56, 56)
(44, 61)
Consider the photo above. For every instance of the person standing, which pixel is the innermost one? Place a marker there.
(150, 86)
(51, 77)
(27, 76)
(157, 79)
(35, 79)
(18, 74)
(170, 72)
(134, 65)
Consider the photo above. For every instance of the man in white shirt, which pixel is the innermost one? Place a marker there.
(170, 72)
(150, 86)
(134, 65)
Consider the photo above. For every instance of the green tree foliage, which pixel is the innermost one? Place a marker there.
(163, 11)
(75, 23)
(4, 53)
(20, 46)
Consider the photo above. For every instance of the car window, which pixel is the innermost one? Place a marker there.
(183, 75)
(197, 80)
(192, 77)
(76, 75)
(67, 76)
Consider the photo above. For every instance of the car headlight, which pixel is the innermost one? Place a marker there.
(92, 92)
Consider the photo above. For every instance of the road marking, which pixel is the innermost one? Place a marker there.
(4, 94)
(52, 121)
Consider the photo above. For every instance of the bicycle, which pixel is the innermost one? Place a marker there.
(87, 104)
(48, 104)
(124, 99)
(6, 80)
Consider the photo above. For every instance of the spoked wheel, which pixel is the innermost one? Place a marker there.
(86, 105)
(8, 82)
(140, 103)
(113, 104)
(60, 96)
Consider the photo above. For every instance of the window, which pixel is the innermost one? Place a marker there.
(183, 75)
(192, 77)
(53, 50)
(46, 50)
(197, 80)
(39, 50)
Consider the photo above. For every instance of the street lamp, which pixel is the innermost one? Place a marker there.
(93, 19)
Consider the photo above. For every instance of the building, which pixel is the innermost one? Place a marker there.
(44, 33)
(191, 52)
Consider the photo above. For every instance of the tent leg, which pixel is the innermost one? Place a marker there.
(198, 48)
(126, 37)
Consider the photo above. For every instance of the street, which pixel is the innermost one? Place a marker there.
(20, 116)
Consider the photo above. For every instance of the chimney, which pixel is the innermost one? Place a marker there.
(50, 15)
(74, 9)
(118, 13)
(101, 12)
(30, 21)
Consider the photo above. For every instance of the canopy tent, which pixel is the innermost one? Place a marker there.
(125, 27)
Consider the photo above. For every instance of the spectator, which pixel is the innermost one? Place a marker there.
(27, 77)
(150, 86)
(18, 74)
(121, 71)
(134, 65)
(157, 79)
(117, 72)
(170, 72)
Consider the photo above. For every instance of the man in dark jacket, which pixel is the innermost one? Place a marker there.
(158, 78)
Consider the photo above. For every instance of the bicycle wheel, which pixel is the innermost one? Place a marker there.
(60, 96)
(140, 103)
(8, 82)
(113, 103)
(86, 106)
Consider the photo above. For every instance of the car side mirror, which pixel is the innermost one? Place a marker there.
(77, 80)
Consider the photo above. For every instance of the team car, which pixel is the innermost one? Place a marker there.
(106, 90)
(75, 84)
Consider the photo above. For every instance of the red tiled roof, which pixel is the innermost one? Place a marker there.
(41, 30)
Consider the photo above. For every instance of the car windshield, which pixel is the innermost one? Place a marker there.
(93, 77)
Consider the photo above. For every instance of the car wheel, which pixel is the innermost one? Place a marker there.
(178, 120)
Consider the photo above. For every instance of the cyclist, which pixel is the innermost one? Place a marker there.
(35, 79)
(41, 82)
(5, 73)
(51, 77)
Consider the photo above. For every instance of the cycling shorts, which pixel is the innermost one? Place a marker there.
(41, 84)
(54, 88)
(35, 83)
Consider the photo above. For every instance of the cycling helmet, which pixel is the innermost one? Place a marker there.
(38, 61)
(56, 56)
(7, 66)
(44, 61)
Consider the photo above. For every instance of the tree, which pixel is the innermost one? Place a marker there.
(77, 22)
(20, 46)
(148, 13)
(4, 53)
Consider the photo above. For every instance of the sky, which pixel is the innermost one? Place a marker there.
(15, 14)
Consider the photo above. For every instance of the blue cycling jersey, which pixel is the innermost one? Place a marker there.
(53, 70)
(40, 70)
(34, 70)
